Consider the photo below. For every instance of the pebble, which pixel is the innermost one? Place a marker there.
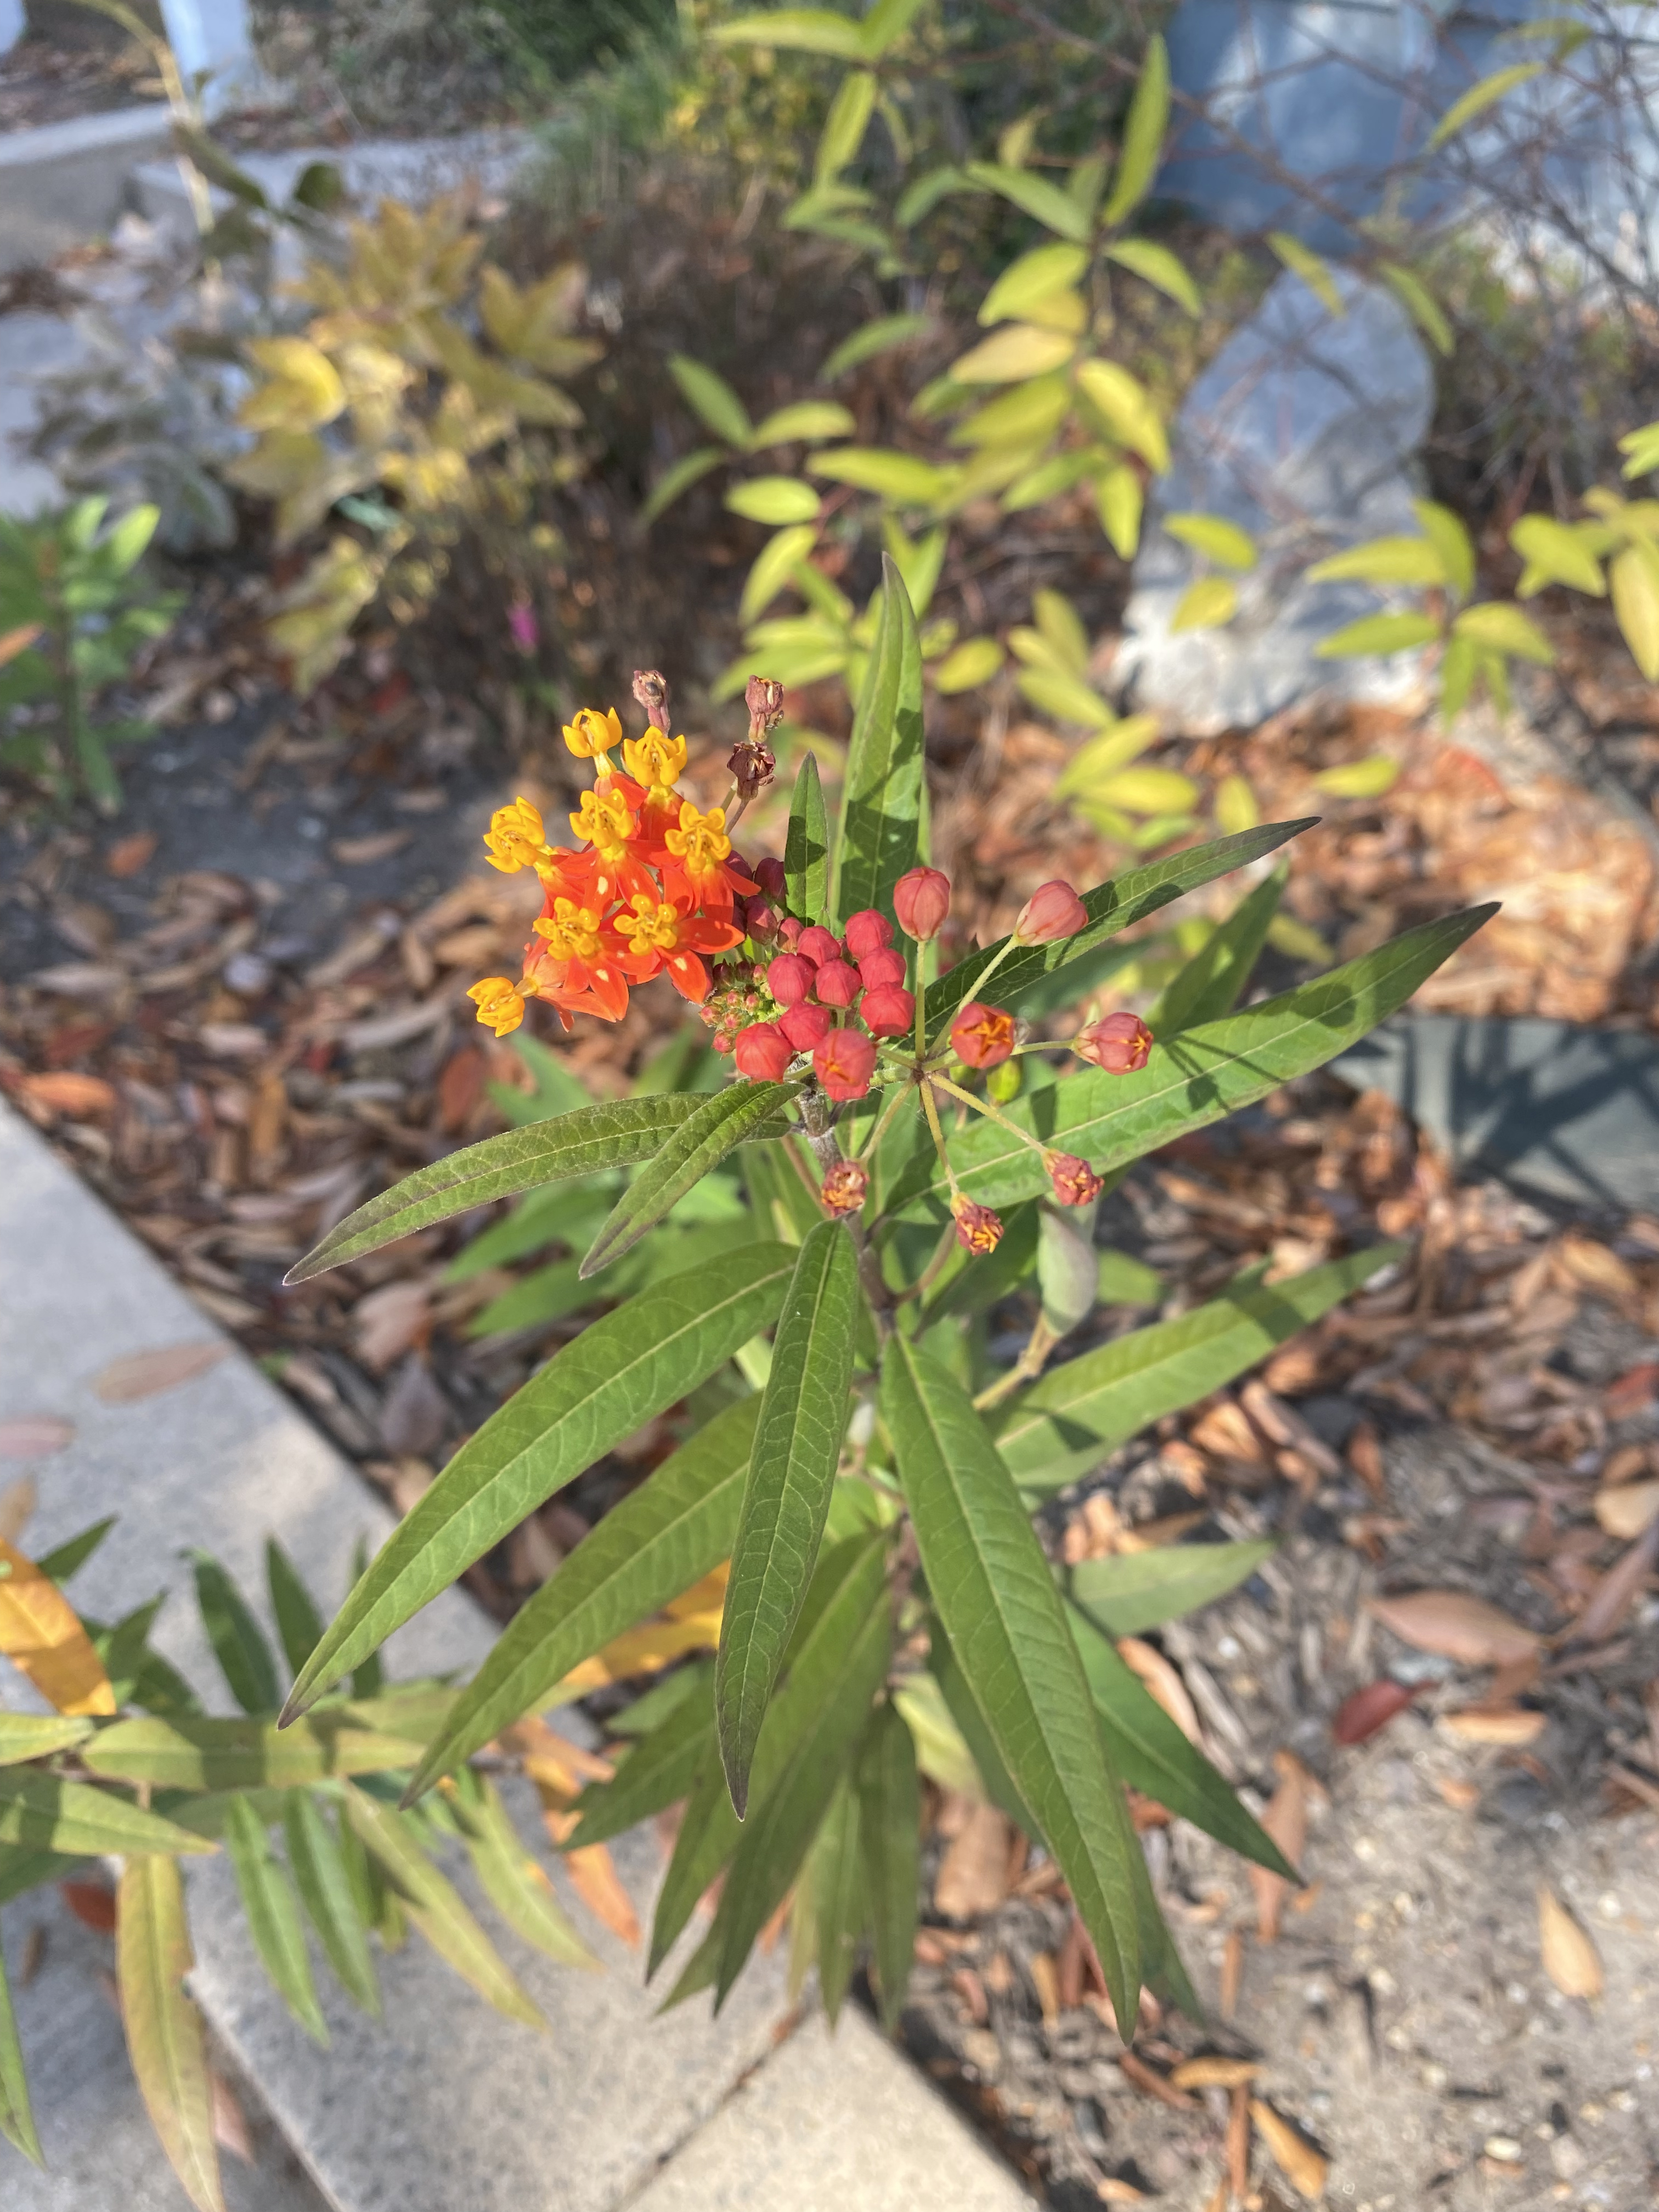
(1504, 2149)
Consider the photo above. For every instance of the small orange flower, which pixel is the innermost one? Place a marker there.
(982, 1036)
(608, 823)
(593, 735)
(500, 1003)
(572, 931)
(662, 936)
(656, 761)
(703, 852)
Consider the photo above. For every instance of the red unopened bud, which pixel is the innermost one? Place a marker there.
(884, 965)
(762, 1051)
(789, 931)
(868, 932)
(1053, 911)
(978, 1229)
(888, 1011)
(844, 1187)
(835, 984)
(789, 978)
(819, 943)
(1117, 1043)
(770, 875)
(805, 1025)
(1075, 1181)
(921, 899)
(759, 917)
(843, 1062)
(982, 1036)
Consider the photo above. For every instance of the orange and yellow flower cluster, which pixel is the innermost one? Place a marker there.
(651, 887)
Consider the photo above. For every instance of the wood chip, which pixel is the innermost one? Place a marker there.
(1570, 1958)
(17, 1504)
(1232, 1973)
(973, 1876)
(146, 1374)
(1239, 2142)
(1302, 2165)
(380, 845)
(61, 1091)
(1287, 1822)
(1619, 1588)
(1046, 1982)
(1161, 1679)
(1215, 2072)
(1154, 2084)
(1504, 1724)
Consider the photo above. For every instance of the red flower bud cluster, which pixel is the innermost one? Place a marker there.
(834, 996)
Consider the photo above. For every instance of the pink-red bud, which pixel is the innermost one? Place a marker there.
(1117, 1043)
(837, 984)
(982, 1036)
(789, 931)
(789, 978)
(759, 917)
(770, 875)
(888, 1011)
(978, 1229)
(843, 1062)
(762, 1051)
(868, 932)
(844, 1187)
(819, 944)
(1053, 911)
(921, 899)
(805, 1025)
(884, 965)
(1075, 1181)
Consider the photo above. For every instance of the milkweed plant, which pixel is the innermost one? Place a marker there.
(855, 1481)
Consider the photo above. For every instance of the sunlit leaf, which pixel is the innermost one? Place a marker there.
(321, 1875)
(1312, 268)
(1555, 553)
(902, 477)
(1378, 634)
(515, 1883)
(881, 335)
(1206, 604)
(717, 1126)
(1034, 196)
(712, 399)
(1044, 270)
(1216, 537)
(1012, 354)
(802, 30)
(1634, 577)
(44, 1811)
(1143, 134)
(690, 469)
(1499, 627)
(1360, 779)
(237, 1641)
(966, 666)
(774, 500)
(1129, 1592)
(273, 1914)
(1382, 561)
(1420, 304)
(806, 845)
(1128, 409)
(163, 2027)
(1479, 98)
(890, 1829)
(883, 792)
(40, 1633)
(1156, 265)
(1213, 980)
(805, 421)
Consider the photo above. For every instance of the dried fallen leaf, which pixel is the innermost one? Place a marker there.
(378, 845)
(146, 1374)
(1111, 2190)
(62, 1091)
(1597, 1269)
(1287, 1822)
(1046, 1982)
(594, 1878)
(1505, 1724)
(1232, 1973)
(128, 854)
(1302, 2165)
(1637, 1387)
(34, 1436)
(1455, 1626)
(1238, 2142)
(1360, 1717)
(1570, 1959)
(1619, 1588)
(40, 1633)
(1161, 1680)
(1626, 1509)
(973, 1876)
(1461, 1796)
(17, 1502)
(1214, 2072)
(92, 1903)
(230, 2128)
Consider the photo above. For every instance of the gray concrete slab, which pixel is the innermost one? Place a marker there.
(63, 183)
(31, 345)
(836, 2123)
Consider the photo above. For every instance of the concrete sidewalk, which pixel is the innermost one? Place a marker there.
(446, 2106)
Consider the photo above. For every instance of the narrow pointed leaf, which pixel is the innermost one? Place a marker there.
(882, 794)
(889, 1829)
(1213, 980)
(806, 845)
(513, 1882)
(1198, 1077)
(616, 1134)
(163, 2027)
(849, 1584)
(16, 2119)
(37, 1735)
(661, 1771)
(432, 1903)
(593, 1392)
(792, 1470)
(994, 1593)
(273, 1914)
(995, 1782)
(297, 1621)
(1134, 1591)
(238, 1642)
(325, 1890)
(1143, 134)
(1063, 1424)
(44, 1813)
(44, 1637)
(196, 1752)
(775, 1839)
(1153, 1756)
(835, 1871)
(1111, 908)
(67, 1558)
(675, 1528)
(718, 1125)
(1161, 1964)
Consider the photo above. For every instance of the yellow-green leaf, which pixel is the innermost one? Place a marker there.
(1420, 304)
(1054, 209)
(1641, 450)
(805, 421)
(1378, 634)
(712, 399)
(1034, 276)
(845, 124)
(902, 477)
(1361, 779)
(1312, 268)
(1150, 791)
(1157, 265)
(163, 2027)
(1214, 537)
(1479, 98)
(1555, 553)
(1634, 576)
(1236, 806)
(1143, 134)
(302, 390)
(1451, 541)
(40, 1633)
(774, 566)
(774, 500)
(966, 666)
(1501, 627)
(1119, 499)
(1106, 755)
(1382, 561)
(1127, 409)
(1011, 355)
(1207, 605)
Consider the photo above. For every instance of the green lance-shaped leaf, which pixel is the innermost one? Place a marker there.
(273, 1914)
(805, 30)
(712, 399)
(1160, 1962)
(994, 1591)
(1198, 1077)
(163, 2027)
(994, 1780)
(883, 795)
(662, 1770)
(44, 1813)
(22, 1870)
(1111, 908)
(1152, 1755)
(64, 1560)
(194, 1753)
(37, 1735)
(238, 1642)
(776, 1839)
(719, 1123)
(1143, 135)
(513, 1882)
(792, 1470)
(297, 1621)
(616, 1134)
(432, 1903)
(593, 1392)
(806, 846)
(16, 2119)
(325, 1890)
(1060, 1427)
(675, 1528)
(835, 1871)
(1213, 980)
(889, 1832)
(1134, 1591)
(849, 1585)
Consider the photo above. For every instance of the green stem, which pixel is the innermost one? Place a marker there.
(991, 1113)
